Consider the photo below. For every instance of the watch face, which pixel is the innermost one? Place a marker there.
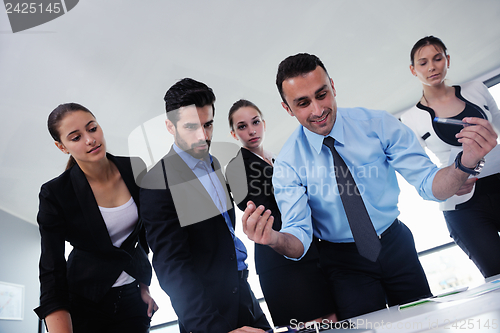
(479, 165)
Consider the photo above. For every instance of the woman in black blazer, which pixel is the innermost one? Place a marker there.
(103, 287)
(294, 290)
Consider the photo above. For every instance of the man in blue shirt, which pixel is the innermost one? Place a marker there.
(189, 218)
(373, 145)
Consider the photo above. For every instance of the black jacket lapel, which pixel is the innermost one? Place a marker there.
(90, 209)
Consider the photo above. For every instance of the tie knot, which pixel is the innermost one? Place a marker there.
(328, 141)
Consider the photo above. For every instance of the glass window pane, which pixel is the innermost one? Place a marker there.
(495, 92)
(424, 218)
(450, 269)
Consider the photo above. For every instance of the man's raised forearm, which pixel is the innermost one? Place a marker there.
(447, 182)
(288, 245)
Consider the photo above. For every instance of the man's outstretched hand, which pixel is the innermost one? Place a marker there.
(258, 225)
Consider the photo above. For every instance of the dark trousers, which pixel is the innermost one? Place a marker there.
(361, 286)
(250, 312)
(474, 225)
(297, 291)
(122, 310)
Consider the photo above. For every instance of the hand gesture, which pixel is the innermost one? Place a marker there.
(467, 186)
(258, 225)
(146, 297)
(477, 141)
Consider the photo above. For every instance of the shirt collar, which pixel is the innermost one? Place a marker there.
(191, 161)
(337, 132)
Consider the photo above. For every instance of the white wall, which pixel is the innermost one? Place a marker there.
(19, 255)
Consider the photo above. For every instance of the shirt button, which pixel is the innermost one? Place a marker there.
(233, 256)
(235, 290)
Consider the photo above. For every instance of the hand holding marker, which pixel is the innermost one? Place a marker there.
(451, 121)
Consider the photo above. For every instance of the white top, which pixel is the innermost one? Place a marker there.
(420, 122)
(120, 222)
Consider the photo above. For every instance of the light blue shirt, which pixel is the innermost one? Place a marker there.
(373, 144)
(208, 178)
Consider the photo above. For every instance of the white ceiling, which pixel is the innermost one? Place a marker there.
(118, 57)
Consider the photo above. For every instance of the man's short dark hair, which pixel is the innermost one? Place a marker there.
(187, 92)
(296, 65)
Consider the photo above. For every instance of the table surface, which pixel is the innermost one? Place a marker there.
(467, 312)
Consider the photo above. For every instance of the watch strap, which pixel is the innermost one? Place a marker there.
(475, 171)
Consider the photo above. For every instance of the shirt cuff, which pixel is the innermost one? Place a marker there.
(427, 192)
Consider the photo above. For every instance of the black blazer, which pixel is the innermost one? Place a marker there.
(69, 212)
(195, 264)
(260, 190)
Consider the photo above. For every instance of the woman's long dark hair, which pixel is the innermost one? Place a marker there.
(54, 121)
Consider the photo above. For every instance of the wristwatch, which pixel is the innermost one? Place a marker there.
(475, 171)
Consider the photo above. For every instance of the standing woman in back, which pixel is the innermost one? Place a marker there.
(103, 287)
(294, 290)
(473, 214)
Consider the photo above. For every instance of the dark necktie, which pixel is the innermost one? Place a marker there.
(362, 229)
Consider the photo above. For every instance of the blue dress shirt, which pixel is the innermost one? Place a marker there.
(373, 144)
(208, 178)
